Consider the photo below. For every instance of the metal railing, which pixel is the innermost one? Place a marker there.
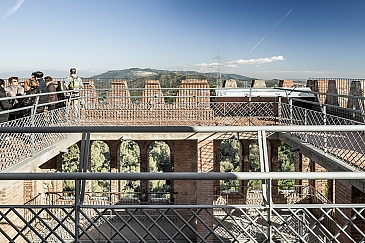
(346, 146)
(94, 110)
(266, 221)
(79, 222)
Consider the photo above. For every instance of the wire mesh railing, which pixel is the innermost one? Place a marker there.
(346, 146)
(81, 222)
(193, 224)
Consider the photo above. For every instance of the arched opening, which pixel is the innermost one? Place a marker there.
(100, 162)
(129, 162)
(159, 161)
(286, 159)
(254, 166)
(285, 164)
(230, 161)
(70, 163)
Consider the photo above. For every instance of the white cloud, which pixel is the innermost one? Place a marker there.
(257, 61)
(13, 9)
(203, 65)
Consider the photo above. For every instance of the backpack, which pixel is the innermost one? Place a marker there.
(75, 83)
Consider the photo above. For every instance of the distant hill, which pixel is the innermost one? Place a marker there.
(168, 79)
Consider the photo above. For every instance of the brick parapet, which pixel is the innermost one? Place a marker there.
(152, 92)
(119, 93)
(258, 83)
(285, 83)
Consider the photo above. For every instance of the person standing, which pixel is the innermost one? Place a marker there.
(38, 75)
(29, 101)
(14, 88)
(51, 88)
(4, 104)
(74, 83)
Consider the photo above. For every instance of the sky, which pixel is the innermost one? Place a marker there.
(272, 39)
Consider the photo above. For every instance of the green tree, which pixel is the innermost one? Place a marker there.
(129, 162)
(159, 160)
(70, 163)
(230, 155)
(254, 165)
(286, 164)
(100, 162)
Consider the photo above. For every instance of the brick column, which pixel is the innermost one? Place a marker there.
(144, 167)
(301, 164)
(319, 185)
(245, 165)
(185, 156)
(343, 196)
(205, 187)
(216, 166)
(274, 163)
(205, 164)
(331, 190)
(114, 152)
(12, 195)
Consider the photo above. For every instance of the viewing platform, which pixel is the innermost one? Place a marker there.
(323, 124)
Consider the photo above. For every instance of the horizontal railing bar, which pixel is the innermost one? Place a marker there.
(187, 206)
(321, 93)
(185, 176)
(184, 129)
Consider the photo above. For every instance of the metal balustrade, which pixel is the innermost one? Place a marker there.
(86, 218)
(268, 222)
(346, 146)
(94, 110)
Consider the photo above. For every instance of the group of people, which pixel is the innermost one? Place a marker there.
(37, 84)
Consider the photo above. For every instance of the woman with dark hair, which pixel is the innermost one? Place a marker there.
(15, 89)
(4, 104)
(28, 101)
(51, 88)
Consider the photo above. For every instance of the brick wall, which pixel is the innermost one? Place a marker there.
(184, 153)
(152, 92)
(119, 93)
(286, 83)
(343, 196)
(11, 195)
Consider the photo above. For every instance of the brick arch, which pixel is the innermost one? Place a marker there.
(96, 183)
(152, 143)
(217, 147)
(167, 185)
(125, 187)
(91, 147)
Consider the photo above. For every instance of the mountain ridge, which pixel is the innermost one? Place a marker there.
(136, 76)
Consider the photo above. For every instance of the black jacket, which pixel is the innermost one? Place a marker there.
(4, 105)
(28, 101)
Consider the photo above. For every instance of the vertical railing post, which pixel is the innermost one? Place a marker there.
(270, 204)
(266, 186)
(306, 123)
(325, 123)
(77, 208)
(279, 111)
(291, 111)
(80, 185)
(68, 107)
(33, 113)
(78, 111)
